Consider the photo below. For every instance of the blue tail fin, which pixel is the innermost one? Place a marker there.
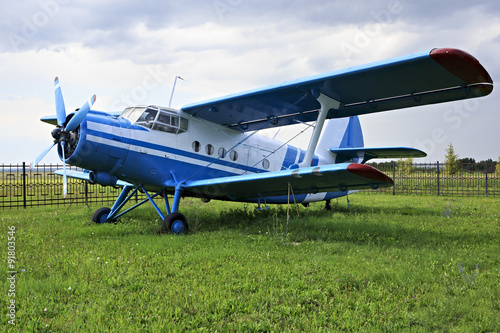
(353, 135)
(342, 141)
(341, 133)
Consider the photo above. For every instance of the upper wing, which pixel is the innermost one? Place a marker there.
(435, 76)
(325, 178)
(345, 154)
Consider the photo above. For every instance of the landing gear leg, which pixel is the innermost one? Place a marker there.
(175, 221)
(328, 207)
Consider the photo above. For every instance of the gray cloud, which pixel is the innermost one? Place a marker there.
(111, 23)
(242, 43)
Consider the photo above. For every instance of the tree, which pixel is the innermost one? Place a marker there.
(497, 169)
(467, 163)
(451, 165)
(404, 166)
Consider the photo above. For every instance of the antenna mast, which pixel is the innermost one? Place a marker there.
(173, 89)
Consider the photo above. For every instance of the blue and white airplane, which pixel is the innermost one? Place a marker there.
(211, 149)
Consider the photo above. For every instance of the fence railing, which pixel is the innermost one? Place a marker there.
(21, 186)
(459, 179)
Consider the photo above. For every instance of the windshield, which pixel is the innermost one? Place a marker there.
(133, 113)
(156, 118)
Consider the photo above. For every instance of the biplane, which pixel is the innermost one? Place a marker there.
(213, 150)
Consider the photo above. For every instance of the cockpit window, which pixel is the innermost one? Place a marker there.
(156, 118)
(148, 116)
(133, 113)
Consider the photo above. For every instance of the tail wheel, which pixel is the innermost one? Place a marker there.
(100, 216)
(176, 223)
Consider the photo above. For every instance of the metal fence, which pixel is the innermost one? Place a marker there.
(21, 186)
(474, 179)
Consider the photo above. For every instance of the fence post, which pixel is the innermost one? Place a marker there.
(486, 175)
(86, 190)
(24, 185)
(437, 173)
(394, 177)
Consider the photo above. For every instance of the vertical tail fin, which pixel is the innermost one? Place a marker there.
(340, 133)
(353, 135)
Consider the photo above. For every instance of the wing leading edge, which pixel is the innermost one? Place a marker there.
(325, 178)
(435, 76)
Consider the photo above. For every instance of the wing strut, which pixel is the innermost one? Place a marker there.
(327, 104)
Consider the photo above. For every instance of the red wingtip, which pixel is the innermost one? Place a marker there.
(462, 65)
(369, 172)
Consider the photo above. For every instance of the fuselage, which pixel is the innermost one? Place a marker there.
(176, 148)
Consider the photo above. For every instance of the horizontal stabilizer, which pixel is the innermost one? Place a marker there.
(325, 178)
(346, 154)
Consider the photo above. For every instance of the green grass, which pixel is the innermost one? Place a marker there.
(385, 264)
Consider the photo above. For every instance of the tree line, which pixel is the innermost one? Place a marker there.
(452, 164)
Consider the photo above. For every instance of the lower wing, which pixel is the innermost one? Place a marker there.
(325, 178)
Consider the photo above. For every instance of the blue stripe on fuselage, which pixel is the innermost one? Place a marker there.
(302, 155)
(291, 155)
(175, 151)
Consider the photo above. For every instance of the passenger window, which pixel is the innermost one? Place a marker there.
(233, 155)
(265, 164)
(196, 146)
(222, 152)
(209, 149)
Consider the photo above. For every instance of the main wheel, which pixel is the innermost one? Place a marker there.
(176, 223)
(101, 215)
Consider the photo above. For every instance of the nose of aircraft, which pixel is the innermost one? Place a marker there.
(64, 134)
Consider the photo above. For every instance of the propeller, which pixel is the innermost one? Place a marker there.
(65, 128)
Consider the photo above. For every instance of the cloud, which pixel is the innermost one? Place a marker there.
(111, 48)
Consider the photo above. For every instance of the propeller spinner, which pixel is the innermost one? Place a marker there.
(65, 134)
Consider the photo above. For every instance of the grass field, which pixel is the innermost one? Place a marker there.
(385, 264)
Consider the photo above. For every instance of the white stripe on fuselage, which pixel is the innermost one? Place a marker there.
(103, 128)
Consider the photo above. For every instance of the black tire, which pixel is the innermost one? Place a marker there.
(175, 223)
(101, 215)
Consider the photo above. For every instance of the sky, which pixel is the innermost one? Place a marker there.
(129, 53)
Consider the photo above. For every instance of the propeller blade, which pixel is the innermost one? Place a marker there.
(60, 108)
(80, 115)
(65, 179)
(41, 156)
